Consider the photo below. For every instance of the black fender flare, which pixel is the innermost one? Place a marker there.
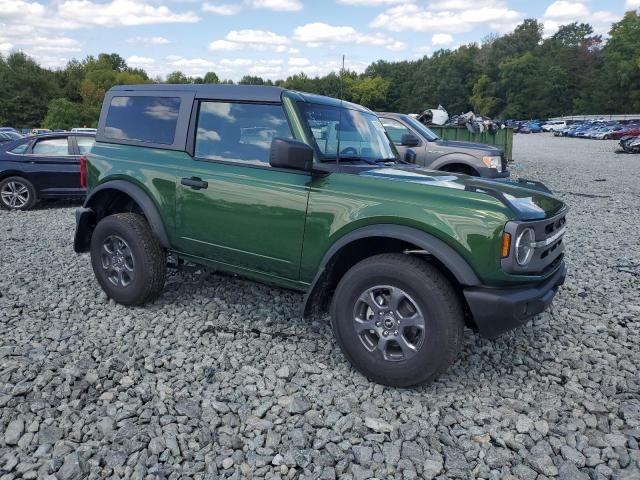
(452, 260)
(457, 158)
(85, 217)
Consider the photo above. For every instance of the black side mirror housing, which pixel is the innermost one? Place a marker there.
(410, 156)
(409, 140)
(291, 154)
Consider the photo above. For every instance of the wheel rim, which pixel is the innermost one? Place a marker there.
(117, 261)
(15, 194)
(389, 323)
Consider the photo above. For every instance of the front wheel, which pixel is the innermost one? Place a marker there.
(127, 259)
(397, 319)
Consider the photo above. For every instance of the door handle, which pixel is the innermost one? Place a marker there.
(195, 183)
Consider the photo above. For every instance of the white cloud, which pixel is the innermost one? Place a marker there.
(72, 14)
(299, 62)
(221, 9)
(149, 40)
(224, 46)
(5, 47)
(370, 3)
(631, 4)
(117, 13)
(452, 16)
(21, 9)
(192, 62)
(278, 5)
(136, 61)
(255, 39)
(440, 39)
(563, 12)
(318, 34)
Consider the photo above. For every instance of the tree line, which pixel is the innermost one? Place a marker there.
(517, 75)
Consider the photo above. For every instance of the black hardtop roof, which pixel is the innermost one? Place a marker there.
(255, 93)
(246, 93)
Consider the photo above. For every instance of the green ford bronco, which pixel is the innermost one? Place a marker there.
(307, 192)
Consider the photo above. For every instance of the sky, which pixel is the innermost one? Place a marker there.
(273, 38)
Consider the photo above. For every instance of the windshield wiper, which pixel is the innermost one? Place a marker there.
(349, 159)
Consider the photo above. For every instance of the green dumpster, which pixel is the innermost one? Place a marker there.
(503, 138)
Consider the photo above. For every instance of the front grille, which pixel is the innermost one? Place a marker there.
(549, 245)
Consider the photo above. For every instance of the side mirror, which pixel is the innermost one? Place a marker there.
(288, 153)
(409, 140)
(410, 156)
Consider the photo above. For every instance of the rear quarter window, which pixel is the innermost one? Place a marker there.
(150, 119)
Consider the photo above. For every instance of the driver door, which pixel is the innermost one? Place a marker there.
(232, 207)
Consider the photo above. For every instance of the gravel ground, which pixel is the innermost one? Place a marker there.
(221, 379)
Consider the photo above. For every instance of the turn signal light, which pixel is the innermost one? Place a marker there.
(83, 171)
(506, 244)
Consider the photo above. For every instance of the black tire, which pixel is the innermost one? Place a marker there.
(25, 201)
(137, 273)
(434, 297)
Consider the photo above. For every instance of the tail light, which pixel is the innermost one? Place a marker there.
(83, 171)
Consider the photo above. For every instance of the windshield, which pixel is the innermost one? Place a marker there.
(344, 133)
(424, 131)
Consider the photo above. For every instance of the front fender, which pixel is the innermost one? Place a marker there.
(431, 245)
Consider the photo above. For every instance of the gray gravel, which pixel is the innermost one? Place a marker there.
(221, 379)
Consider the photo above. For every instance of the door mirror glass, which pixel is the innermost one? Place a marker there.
(287, 153)
(410, 140)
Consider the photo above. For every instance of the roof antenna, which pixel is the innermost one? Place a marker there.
(340, 113)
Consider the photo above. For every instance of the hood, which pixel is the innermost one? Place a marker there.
(472, 147)
(527, 201)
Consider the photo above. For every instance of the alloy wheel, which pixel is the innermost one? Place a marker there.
(15, 194)
(117, 261)
(389, 323)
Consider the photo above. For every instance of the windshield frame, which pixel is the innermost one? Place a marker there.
(423, 130)
(382, 139)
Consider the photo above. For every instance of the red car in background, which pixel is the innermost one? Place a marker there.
(631, 131)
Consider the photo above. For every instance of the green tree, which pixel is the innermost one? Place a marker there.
(210, 77)
(368, 91)
(65, 114)
(178, 77)
(26, 91)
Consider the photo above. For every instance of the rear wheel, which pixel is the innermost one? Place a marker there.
(127, 259)
(17, 193)
(397, 319)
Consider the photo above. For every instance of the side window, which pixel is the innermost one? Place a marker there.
(143, 118)
(20, 149)
(52, 147)
(85, 144)
(394, 129)
(239, 131)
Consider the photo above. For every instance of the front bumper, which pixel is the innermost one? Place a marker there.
(493, 173)
(496, 310)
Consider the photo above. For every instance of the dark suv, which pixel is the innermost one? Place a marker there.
(306, 192)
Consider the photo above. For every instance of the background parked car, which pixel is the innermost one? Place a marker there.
(8, 136)
(40, 131)
(530, 127)
(85, 130)
(42, 167)
(554, 125)
(428, 150)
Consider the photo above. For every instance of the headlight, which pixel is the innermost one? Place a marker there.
(493, 162)
(524, 250)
